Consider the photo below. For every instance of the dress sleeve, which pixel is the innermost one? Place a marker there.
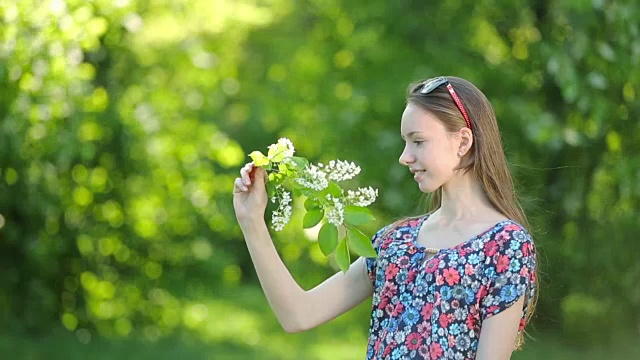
(509, 271)
(372, 263)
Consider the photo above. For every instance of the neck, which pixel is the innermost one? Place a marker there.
(464, 199)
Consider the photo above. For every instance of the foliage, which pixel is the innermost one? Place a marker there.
(325, 198)
(123, 124)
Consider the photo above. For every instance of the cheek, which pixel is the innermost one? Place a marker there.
(439, 156)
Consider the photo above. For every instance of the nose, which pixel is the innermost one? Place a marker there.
(406, 158)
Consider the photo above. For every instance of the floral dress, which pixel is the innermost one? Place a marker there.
(433, 308)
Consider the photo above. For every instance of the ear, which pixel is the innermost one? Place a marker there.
(465, 137)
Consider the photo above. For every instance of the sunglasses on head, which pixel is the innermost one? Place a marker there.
(428, 87)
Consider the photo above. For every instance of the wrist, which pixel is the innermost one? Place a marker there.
(252, 224)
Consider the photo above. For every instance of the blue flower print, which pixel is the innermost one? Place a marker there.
(405, 298)
(520, 236)
(446, 292)
(508, 293)
(402, 275)
(397, 353)
(411, 316)
(469, 295)
(514, 266)
(454, 329)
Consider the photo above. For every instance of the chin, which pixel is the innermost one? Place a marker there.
(427, 188)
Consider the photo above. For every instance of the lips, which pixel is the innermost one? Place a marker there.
(417, 174)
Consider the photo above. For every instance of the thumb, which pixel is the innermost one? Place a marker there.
(259, 175)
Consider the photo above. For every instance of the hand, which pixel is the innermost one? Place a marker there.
(250, 194)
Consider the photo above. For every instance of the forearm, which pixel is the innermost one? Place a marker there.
(283, 293)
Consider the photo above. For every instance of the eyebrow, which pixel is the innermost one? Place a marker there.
(410, 134)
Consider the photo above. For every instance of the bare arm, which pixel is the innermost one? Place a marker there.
(498, 333)
(296, 309)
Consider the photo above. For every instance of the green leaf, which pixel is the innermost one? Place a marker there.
(312, 218)
(307, 192)
(361, 243)
(342, 255)
(334, 189)
(311, 203)
(357, 215)
(271, 188)
(259, 159)
(328, 238)
(300, 162)
(276, 178)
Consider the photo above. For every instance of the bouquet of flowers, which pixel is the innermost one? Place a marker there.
(343, 210)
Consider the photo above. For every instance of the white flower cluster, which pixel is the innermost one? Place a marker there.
(281, 150)
(313, 177)
(335, 215)
(340, 170)
(282, 214)
(362, 196)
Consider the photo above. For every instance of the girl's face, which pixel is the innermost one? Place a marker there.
(430, 152)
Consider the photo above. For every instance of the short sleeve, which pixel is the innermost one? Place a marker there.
(509, 271)
(372, 263)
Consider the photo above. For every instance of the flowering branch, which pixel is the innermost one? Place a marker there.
(292, 175)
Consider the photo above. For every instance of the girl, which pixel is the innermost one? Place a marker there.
(456, 283)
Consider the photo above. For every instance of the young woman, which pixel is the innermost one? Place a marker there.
(456, 283)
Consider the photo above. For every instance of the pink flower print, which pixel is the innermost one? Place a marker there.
(469, 269)
(426, 311)
(482, 292)
(383, 302)
(391, 271)
(512, 227)
(389, 289)
(445, 319)
(502, 263)
(502, 236)
(527, 249)
(451, 340)
(404, 262)
(414, 340)
(389, 309)
(424, 328)
(452, 276)
(471, 321)
(491, 248)
(412, 275)
(435, 350)
(423, 351)
(397, 310)
(432, 265)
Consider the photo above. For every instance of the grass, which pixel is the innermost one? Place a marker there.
(241, 326)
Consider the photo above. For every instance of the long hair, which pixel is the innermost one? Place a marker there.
(486, 159)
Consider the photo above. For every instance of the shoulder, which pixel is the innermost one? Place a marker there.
(402, 225)
(509, 238)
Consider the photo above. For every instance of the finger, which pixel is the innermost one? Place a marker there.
(238, 186)
(260, 175)
(245, 177)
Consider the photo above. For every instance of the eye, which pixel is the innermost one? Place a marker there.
(418, 142)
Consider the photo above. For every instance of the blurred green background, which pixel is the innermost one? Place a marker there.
(124, 122)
